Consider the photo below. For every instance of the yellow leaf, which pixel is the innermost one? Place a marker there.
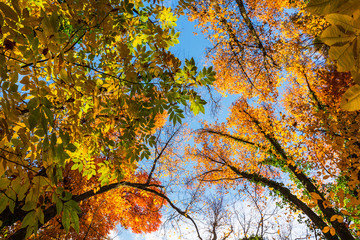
(314, 195)
(345, 212)
(333, 218)
(332, 231)
(350, 101)
(325, 229)
(327, 204)
(346, 22)
(311, 205)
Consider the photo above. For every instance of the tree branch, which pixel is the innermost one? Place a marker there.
(286, 193)
(328, 212)
(51, 212)
(253, 31)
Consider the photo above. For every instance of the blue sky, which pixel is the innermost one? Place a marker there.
(194, 46)
(191, 45)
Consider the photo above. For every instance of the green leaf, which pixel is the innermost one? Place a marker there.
(351, 99)
(194, 108)
(65, 138)
(4, 183)
(66, 219)
(59, 205)
(53, 139)
(49, 115)
(29, 231)
(23, 189)
(12, 201)
(66, 196)
(34, 118)
(74, 167)
(29, 219)
(30, 205)
(73, 205)
(33, 103)
(3, 203)
(75, 220)
(40, 215)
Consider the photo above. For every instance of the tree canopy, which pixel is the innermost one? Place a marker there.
(289, 120)
(80, 81)
(88, 86)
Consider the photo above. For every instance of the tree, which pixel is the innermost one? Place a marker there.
(81, 81)
(130, 207)
(283, 123)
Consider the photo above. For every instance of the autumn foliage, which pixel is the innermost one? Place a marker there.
(87, 86)
(82, 81)
(287, 120)
(132, 208)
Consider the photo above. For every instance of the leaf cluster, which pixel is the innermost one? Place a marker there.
(342, 36)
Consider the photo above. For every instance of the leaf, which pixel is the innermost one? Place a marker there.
(4, 183)
(33, 103)
(29, 219)
(49, 115)
(319, 7)
(59, 205)
(315, 196)
(34, 118)
(356, 77)
(16, 6)
(350, 101)
(30, 205)
(343, 56)
(1, 20)
(325, 229)
(40, 215)
(64, 75)
(74, 205)
(66, 219)
(8, 12)
(3, 203)
(23, 189)
(332, 231)
(333, 36)
(29, 231)
(343, 22)
(66, 196)
(75, 220)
